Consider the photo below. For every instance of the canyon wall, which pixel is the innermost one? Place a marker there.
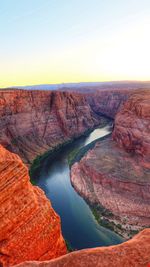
(116, 173)
(34, 122)
(108, 102)
(134, 253)
(132, 126)
(31, 122)
(29, 227)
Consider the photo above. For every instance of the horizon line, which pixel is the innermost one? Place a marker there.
(83, 82)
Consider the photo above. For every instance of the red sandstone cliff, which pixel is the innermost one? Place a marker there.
(114, 178)
(134, 253)
(29, 227)
(108, 102)
(132, 126)
(31, 122)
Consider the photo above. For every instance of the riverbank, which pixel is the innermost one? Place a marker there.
(79, 226)
(107, 219)
(77, 154)
(38, 161)
(103, 216)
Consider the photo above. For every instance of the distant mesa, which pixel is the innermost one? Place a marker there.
(88, 86)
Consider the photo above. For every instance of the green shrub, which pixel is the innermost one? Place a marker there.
(77, 154)
(68, 245)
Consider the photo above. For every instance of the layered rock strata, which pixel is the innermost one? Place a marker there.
(108, 102)
(132, 127)
(116, 174)
(29, 227)
(31, 122)
(134, 253)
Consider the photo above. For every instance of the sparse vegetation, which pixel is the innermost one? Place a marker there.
(36, 164)
(68, 245)
(103, 215)
(72, 155)
(98, 213)
(77, 154)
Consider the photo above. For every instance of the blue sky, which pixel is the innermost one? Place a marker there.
(52, 41)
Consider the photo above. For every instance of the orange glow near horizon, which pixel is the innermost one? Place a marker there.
(109, 42)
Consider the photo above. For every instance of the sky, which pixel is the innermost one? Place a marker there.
(56, 41)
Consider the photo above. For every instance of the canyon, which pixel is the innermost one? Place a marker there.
(32, 122)
(107, 102)
(115, 174)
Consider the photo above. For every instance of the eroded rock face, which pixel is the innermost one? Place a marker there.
(108, 102)
(110, 176)
(118, 178)
(31, 122)
(29, 227)
(134, 253)
(132, 126)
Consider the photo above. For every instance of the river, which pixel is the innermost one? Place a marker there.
(79, 226)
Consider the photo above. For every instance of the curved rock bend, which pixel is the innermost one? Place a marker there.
(32, 122)
(133, 253)
(116, 178)
(29, 227)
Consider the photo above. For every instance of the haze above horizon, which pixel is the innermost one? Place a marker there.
(48, 41)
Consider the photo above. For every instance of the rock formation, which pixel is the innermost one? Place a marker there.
(108, 102)
(34, 121)
(133, 253)
(29, 227)
(132, 127)
(116, 178)
(30, 124)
